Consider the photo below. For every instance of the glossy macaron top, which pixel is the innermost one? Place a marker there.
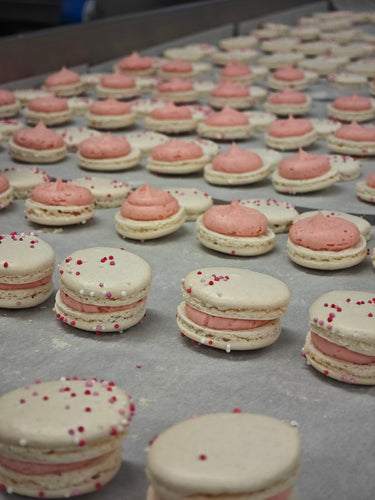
(225, 454)
(24, 258)
(97, 273)
(70, 414)
(251, 294)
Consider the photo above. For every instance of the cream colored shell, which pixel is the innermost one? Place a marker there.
(244, 453)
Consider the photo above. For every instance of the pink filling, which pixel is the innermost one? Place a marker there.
(227, 117)
(177, 66)
(221, 323)
(91, 308)
(324, 233)
(110, 107)
(61, 78)
(355, 132)
(25, 286)
(39, 138)
(335, 351)
(230, 89)
(48, 104)
(370, 181)
(135, 62)
(289, 74)
(6, 98)
(176, 150)
(104, 146)
(176, 85)
(288, 96)
(237, 161)
(4, 184)
(146, 203)
(62, 194)
(117, 81)
(291, 127)
(352, 103)
(235, 68)
(304, 166)
(235, 220)
(283, 495)
(171, 112)
(36, 469)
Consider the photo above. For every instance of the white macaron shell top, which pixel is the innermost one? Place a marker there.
(248, 293)
(346, 318)
(224, 453)
(100, 273)
(24, 258)
(63, 414)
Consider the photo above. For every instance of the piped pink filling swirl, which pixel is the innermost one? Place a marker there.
(220, 323)
(146, 203)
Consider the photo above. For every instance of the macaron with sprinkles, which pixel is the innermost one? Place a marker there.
(225, 456)
(107, 193)
(26, 267)
(103, 289)
(341, 340)
(231, 308)
(63, 438)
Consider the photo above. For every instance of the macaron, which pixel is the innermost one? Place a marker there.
(9, 105)
(136, 65)
(6, 192)
(194, 201)
(341, 340)
(171, 119)
(326, 243)
(351, 107)
(353, 139)
(8, 126)
(73, 136)
(177, 90)
(366, 189)
(145, 140)
(279, 214)
(304, 173)
(235, 229)
(26, 267)
(110, 114)
(225, 455)
(177, 158)
(37, 145)
(227, 124)
(118, 86)
(76, 446)
(288, 102)
(107, 153)
(233, 94)
(290, 133)
(64, 83)
(59, 204)
(231, 308)
(49, 110)
(237, 167)
(102, 289)
(149, 213)
(107, 193)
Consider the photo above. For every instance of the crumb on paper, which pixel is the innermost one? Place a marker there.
(144, 401)
(60, 344)
(51, 230)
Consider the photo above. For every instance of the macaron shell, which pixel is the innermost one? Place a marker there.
(100, 282)
(24, 179)
(106, 192)
(194, 201)
(295, 186)
(353, 326)
(59, 415)
(255, 454)
(325, 259)
(279, 214)
(365, 192)
(55, 215)
(246, 294)
(233, 245)
(229, 340)
(25, 258)
(337, 369)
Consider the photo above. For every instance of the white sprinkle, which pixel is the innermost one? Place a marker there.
(92, 294)
(294, 423)
(124, 421)
(9, 490)
(123, 293)
(228, 348)
(82, 292)
(203, 340)
(104, 292)
(23, 442)
(62, 379)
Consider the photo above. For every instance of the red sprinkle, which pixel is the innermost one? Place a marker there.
(202, 457)
(88, 409)
(98, 486)
(6, 264)
(81, 428)
(237, 410)
(82, 442)
(79, 262)
(326, 372)
(113, 432)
